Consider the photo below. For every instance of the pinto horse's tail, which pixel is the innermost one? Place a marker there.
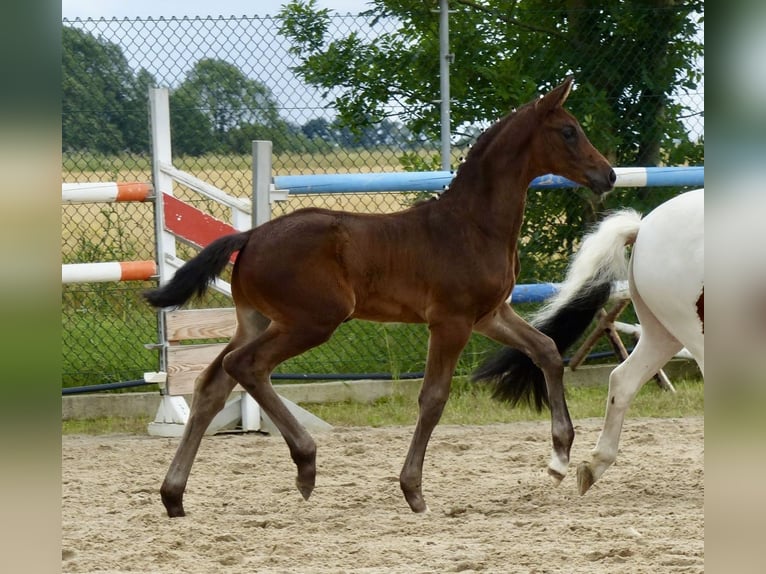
(587, 287)
(196, 274)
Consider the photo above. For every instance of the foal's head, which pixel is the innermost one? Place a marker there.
(560, 146)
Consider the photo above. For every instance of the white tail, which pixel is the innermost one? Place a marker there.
(600, 259)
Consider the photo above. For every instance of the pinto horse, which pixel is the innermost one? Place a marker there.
(665, 278)
(450, 263)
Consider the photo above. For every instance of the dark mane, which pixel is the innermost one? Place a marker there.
(469, 169)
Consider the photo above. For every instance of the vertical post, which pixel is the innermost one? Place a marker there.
(261, 181)
(241, 220)
(444, 61)
(261, 213)
(159, 120)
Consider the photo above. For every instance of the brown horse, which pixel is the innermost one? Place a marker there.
(449, 263)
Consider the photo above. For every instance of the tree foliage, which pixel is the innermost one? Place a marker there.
(628, 58)
(104, 105)
(215, 109)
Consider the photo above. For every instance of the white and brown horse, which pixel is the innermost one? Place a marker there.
(665, 275)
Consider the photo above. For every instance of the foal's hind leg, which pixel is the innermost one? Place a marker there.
(251, 365)
(211, 391)
(212, 388)
(506, 327)
(444, 346)
(655, 347)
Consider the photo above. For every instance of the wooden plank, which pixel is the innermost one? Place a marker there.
(191, 324)
(193, 225)
(186, 362)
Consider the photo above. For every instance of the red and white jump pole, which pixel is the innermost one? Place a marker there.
(107, 192)
(108, 271)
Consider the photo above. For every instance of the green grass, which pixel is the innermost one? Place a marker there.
(104, 330)
(471, 404)
(468, 404)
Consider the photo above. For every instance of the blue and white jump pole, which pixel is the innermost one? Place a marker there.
(438, 180)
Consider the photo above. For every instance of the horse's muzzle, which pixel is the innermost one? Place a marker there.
(601, 182)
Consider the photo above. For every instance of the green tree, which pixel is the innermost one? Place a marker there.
(628, 58)
(319, 129)
(284, 136)
(216, 98)
(104, 106)
(190, 127)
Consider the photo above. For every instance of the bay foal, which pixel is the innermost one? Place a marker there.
(449, 263)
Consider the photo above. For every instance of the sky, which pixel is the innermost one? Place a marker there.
(133, 9)
(71, 9)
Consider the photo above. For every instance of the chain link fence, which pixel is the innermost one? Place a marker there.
(109, 66)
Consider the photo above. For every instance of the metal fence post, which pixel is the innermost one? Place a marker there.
(444, 61)
(261, 181)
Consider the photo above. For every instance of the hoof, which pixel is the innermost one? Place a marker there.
(174, 510)
(584, 477)
(555, 475)
(173, 505)
(304, 489)
(415, 500)
(418, 505)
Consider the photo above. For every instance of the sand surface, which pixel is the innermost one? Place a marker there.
(492, 506)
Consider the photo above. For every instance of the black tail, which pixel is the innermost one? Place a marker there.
(195, 276)
(515, 378)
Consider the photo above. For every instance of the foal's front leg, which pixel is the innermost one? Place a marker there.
(444, 346)
(506, 327)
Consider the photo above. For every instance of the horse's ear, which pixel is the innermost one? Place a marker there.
(556, 97)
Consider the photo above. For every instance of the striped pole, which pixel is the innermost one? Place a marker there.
(110, 271)
(105, 192)
(693, 176)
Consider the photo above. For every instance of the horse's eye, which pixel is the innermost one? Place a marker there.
(569, 133)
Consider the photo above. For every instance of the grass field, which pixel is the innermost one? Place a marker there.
(468, 404)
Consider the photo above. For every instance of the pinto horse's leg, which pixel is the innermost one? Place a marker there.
(212, 388)
(654, 349)
(251, 365)
(445, 343)
(506, 327)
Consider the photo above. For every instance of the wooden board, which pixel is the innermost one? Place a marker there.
(192, 224)
(186, 362)
(194, 324)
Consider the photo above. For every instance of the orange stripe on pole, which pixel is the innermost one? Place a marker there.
(137, 270)
(133, 191)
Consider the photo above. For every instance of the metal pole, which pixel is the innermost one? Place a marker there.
(261, 181)
(444, 61)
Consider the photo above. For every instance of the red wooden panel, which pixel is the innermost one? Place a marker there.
(191, 224)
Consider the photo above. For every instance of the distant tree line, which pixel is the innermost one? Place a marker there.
(215, 109)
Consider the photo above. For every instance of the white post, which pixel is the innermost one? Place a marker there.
(261, 213)
(261, 182)
(173, 412)
(159, 120)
